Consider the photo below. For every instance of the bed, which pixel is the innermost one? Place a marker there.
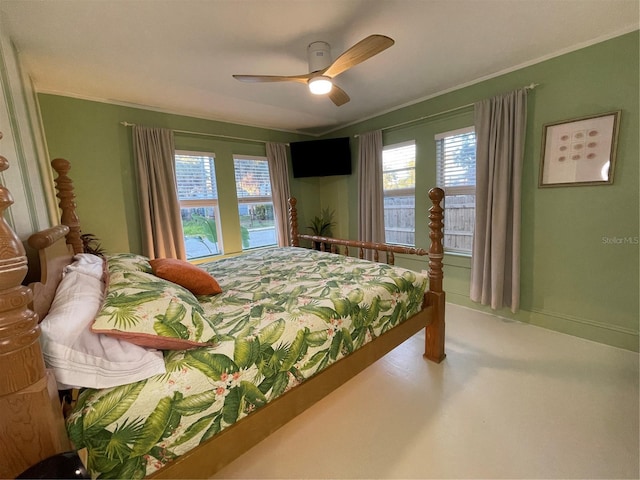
(268, 346)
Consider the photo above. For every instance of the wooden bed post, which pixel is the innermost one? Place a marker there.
(293, 222)
(31, 423)
(434, 344)
(64, 186)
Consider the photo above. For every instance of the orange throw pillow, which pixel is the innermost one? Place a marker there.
(194, 279)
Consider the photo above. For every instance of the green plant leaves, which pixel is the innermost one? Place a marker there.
(295, 351)
(325, 313)
(159, 425)
(252, 394)
(124, 435)
(315, 339)
(322, 225)
(231, 407)
(246, 352)
(315, 359)
(133, 468)
(272, 332)
(216, 427)
(194, 429)
(168, 325)
(193, 404)
(110, 407)
(342, 306)
(280, 384)
(213, 365)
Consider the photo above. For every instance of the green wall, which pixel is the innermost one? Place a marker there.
(89, 134)
(573, 278)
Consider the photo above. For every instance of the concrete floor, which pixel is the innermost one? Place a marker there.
(510, 401)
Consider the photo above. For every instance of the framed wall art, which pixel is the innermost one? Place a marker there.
(580, 151)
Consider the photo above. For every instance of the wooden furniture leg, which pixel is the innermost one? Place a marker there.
(31, 423)
(434, 344)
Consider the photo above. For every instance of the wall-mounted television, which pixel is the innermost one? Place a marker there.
(321, 158)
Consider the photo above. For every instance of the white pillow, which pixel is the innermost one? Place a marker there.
(81, 358)
(87, 263)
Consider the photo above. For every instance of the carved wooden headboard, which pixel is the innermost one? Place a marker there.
(53, 254)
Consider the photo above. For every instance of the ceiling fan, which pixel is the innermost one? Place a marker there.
(322, 70)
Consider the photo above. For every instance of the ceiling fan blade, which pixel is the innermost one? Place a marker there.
(361, 51)
(273, 78)
(338, 96)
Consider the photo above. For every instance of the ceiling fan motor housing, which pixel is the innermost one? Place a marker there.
(319, 55)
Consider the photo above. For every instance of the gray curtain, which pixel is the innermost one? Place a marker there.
(279, 173)
(159, 208)
(370, 188)
(500, 124)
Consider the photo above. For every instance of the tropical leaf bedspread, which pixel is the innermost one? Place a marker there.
(284, 315)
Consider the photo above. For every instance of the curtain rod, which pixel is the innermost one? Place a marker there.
(188, 132)
(531, 86)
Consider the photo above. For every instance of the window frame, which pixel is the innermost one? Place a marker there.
(454, 190)
(401, 192)
(203, 202)
(257, 198)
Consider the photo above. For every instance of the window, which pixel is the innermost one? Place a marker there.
(399, 182)
(255, 205)
(198, 197)
(456, 175)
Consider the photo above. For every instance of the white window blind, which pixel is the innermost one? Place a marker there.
(252, 178)
(196, 177)
(399, 166)
(456, 175)
(456, 160)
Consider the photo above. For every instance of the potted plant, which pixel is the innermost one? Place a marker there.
(91, 244)
(321, 226)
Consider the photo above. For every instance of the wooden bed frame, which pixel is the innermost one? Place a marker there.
(31, 420)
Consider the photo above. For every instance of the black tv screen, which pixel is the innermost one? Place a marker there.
(321, 158)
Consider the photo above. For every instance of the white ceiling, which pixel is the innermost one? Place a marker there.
(179, 55)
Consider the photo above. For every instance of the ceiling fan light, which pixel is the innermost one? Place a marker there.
(320, 85)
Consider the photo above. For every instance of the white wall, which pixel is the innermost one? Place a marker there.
(22, 144)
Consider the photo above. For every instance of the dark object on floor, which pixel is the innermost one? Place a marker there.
(63, 465)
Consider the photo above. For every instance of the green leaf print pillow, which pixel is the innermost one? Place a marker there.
(127, 262)
(151, 312)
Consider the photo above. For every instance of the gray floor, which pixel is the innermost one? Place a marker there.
(510, 401)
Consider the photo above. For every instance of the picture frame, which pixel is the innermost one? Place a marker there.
(581, 151)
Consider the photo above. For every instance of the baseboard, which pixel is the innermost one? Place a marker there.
(600, 332)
